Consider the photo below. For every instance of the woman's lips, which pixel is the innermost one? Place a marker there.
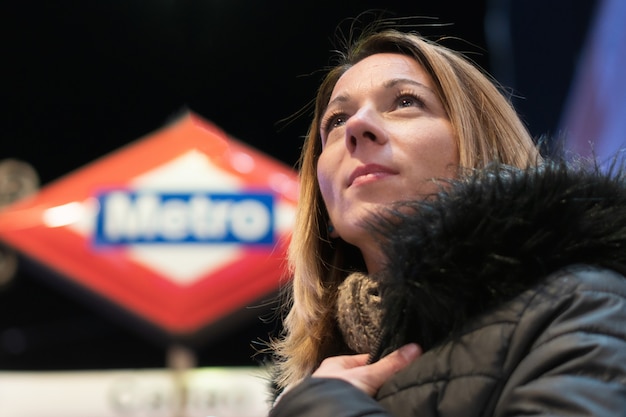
(367, 173)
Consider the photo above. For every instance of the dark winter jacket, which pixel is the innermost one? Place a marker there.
(513, 283)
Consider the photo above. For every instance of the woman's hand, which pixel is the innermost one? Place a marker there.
(367, 378)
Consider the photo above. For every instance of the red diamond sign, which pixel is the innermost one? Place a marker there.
(183, 228)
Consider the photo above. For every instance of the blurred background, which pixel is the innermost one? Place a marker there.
(81, 79)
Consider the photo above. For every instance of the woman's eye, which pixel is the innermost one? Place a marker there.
(406, 102)
(338, 121)
(335, 121)
(409, 101)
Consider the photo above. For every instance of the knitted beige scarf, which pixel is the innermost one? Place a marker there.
(358, 312)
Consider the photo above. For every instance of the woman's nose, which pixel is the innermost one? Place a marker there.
(364, 127)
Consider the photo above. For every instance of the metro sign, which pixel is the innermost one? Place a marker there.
(149, 217)
(183, 228)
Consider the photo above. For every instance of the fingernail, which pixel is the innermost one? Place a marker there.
(410, 351)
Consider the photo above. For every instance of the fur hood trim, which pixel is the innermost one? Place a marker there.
(488, 237)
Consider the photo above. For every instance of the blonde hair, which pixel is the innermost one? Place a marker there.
(487, 129)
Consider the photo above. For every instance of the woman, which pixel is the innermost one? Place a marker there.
(428, 222)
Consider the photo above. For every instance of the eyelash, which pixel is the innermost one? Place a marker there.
(329, 120)
(409, 94)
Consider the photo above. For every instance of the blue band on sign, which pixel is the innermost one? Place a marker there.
(148, 217)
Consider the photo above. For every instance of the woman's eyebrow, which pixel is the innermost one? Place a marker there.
(339, 99)
(395, 81)
(343, 98)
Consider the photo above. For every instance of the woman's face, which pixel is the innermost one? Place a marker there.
(385, 136)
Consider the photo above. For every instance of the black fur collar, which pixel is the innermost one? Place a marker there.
(489, 237)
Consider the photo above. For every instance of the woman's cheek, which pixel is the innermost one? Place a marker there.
(325, 179)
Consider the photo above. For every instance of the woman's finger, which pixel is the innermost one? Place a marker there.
(377, 373)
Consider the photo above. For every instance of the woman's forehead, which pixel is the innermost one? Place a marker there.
(378, 70)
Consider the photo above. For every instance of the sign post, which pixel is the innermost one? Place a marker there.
(182, 230)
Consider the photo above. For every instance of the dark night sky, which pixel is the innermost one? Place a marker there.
(83, 78)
